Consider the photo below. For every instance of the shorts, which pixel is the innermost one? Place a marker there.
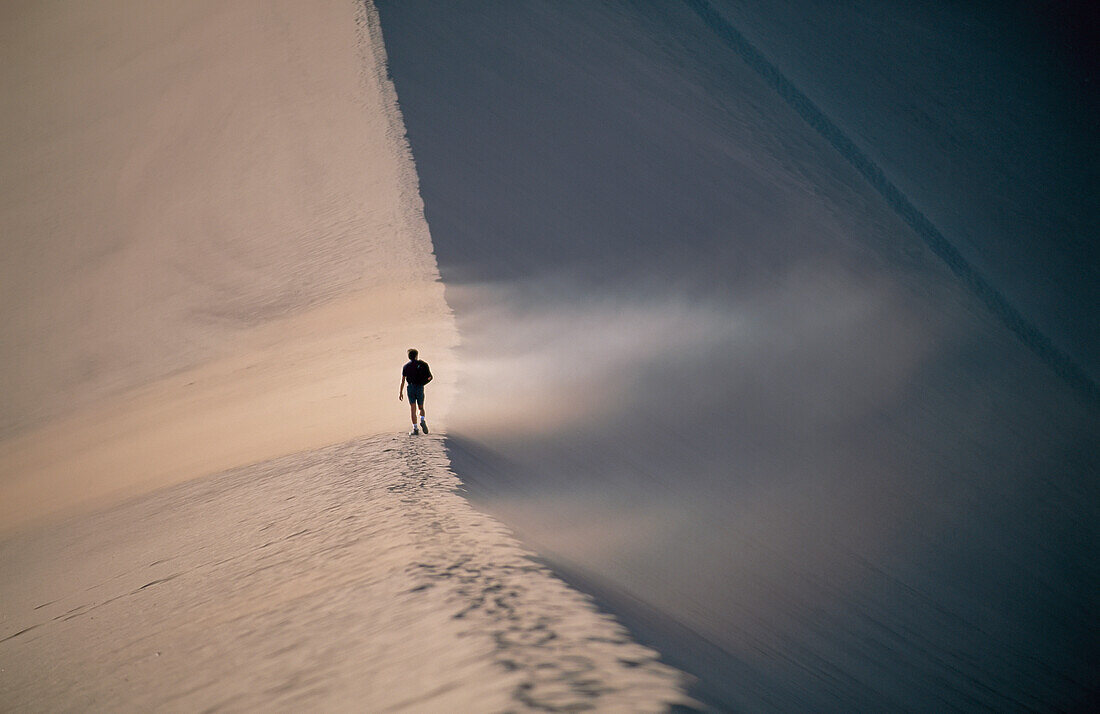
(416, 394)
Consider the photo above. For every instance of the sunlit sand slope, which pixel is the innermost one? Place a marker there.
(214, 248)
(348, 578)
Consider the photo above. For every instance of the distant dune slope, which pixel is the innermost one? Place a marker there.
(214, 249)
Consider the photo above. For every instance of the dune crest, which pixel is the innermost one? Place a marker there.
(340, 579)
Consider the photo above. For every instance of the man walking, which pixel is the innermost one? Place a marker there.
(417, 374)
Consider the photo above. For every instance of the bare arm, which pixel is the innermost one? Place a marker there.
(401, 390)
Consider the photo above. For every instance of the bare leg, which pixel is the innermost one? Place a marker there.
(412, 411)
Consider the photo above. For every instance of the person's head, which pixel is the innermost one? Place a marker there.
(412, 353)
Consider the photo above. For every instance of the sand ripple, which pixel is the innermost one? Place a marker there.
(348, 578)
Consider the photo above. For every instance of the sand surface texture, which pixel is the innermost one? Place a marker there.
(347, 578)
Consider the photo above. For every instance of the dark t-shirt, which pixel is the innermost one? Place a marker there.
(416, 372)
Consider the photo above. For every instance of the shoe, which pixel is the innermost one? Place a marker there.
(414, 431)
(423, 426)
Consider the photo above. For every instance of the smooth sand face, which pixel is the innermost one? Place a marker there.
(214, 247)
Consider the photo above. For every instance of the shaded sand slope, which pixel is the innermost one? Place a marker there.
(740, 389)
(345, 578)
(214, 248)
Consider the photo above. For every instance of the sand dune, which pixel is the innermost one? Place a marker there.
(215, 256)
